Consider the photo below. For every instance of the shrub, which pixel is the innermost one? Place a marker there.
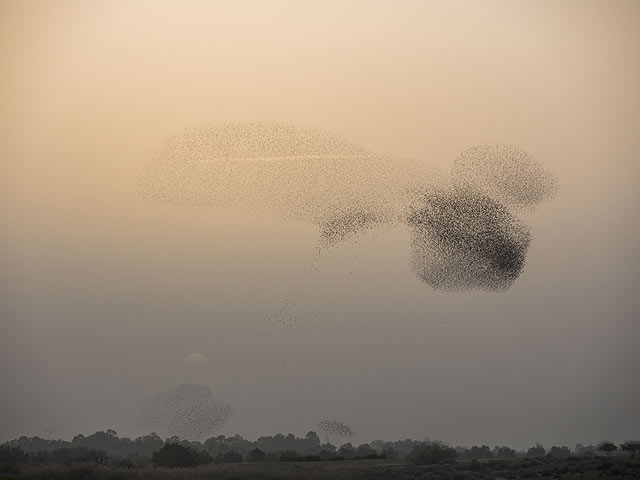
(312, 458)
(607, 447)
(174, 455)
(229, 457)
(256, 455)
(536, 452)
(433, 452)
(124, 463)
(631, 446)
(289, 456)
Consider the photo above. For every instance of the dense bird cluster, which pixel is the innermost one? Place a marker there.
(335, 431)
(465, 241)
(188, 411)
(464, 235)
(504, 173)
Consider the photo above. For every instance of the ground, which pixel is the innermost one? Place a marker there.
(521, 469)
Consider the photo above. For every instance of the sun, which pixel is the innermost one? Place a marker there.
(196, 362)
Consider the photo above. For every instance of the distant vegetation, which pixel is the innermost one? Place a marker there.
(103, 453)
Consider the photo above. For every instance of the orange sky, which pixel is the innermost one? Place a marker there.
(89, 89)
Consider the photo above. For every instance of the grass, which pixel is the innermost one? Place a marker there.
(518, 469)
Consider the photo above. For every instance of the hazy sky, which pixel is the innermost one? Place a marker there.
(102, 295)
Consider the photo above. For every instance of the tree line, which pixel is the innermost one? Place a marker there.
(106, 448)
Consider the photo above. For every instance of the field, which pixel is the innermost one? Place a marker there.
(572, 468)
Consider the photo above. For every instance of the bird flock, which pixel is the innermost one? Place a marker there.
(465, 234)
(188, 411)
(464, 229)
(335, 431)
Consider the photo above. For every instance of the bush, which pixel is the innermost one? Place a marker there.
(537, 451)
(174, 455)
(229, 457)
(124, 463)
(559, 452)
(256, 455)
(289, 456)
(433, 452)
(8, 468)
(631, 446)
(607, 447)
(10, 457)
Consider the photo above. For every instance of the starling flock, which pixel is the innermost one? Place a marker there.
(189, 411)
(464, 232)
(334, 431)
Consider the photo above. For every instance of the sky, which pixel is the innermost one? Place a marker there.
(103, 295)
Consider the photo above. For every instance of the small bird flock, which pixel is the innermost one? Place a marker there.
(335, 431)
(188, 411)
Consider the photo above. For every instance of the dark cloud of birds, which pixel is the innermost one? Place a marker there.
(335, 431)
(464, 231)
(189, 411)
(466, 240)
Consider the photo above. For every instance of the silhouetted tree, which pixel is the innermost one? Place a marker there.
(559, 452)
(289, 456)
(326, 454)
(10, 458)
(631, 446)
(585, 450)
(175, 455)
(477, 453)
(313, 437)
(125, 463)
(229, 457)
(312, 458)
(256, 455)
(148, 444)
(607, 447)
(390, 453)
(504, 452)
(347, 451)
(432, 452)
(537, 451)
(365, 450)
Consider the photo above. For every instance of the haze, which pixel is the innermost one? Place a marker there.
(104, 295)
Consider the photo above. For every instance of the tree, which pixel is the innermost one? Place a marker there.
(607, 447)
(98, 456)
(478, 452)
(504, 452)
(312, 437)
(631, 446)
(229, 457)
(312, 458)
(585, 450)
(125, 463)
(148, 444)
(174, 455)
(391, 453)
(559, 452)
(536, 452)
(256, 455)
(347, 451)
(326, 454)
(289, 456)
(365, 450)
(10, 458)
(432, 452)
